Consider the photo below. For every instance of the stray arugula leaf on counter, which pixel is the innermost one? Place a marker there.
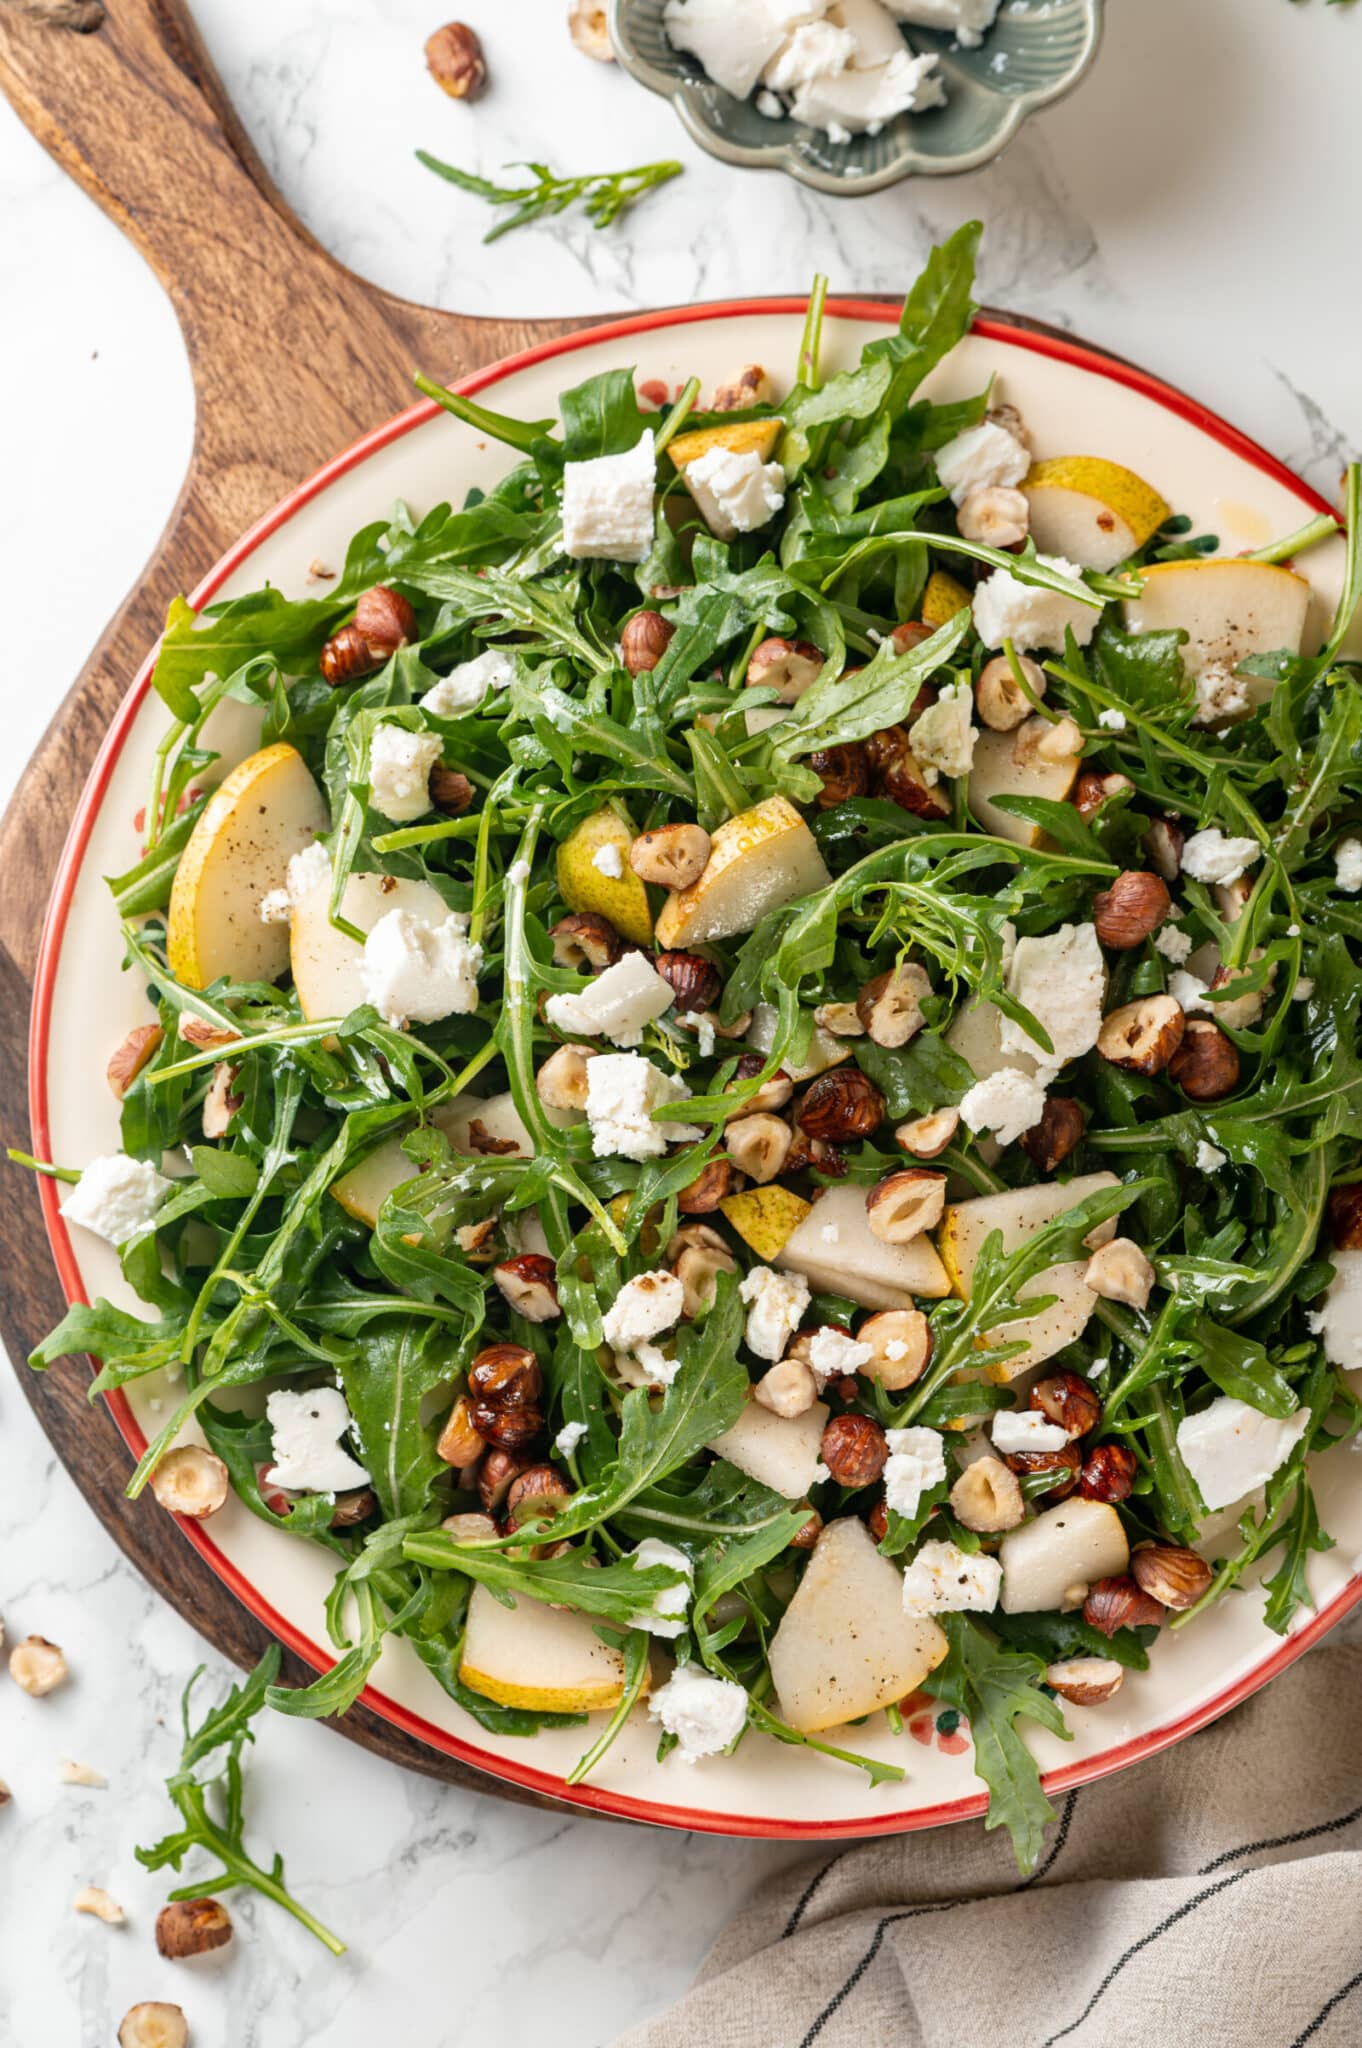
(604, 194)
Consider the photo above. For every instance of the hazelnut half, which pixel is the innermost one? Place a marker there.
(1069, 1400)
(1133, 907)
(927, 1136)
(561, 1082)
(750, 387)
(127, 1061)
(190, 1927)
(459, 1444)
(714, 1183)
(900, 1341)
(36, 1666)
(585, 941)
(1058, 1134)
(697, 1255)
(987, 1498)
(455, 61)
(788, 1389)
(890, 1006)
(1001, 705)
(1206, 1063)
(1085, 1681)
(758, 1145)
(673, 856)
(1119, 1271)
(906, 1204)
(190, 1481)
(1142, 1036)
(1163, 842)
(528, 1284)
(789, 667)
(1091, 791)
(153, 2024)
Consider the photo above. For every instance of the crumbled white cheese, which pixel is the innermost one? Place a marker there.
(644, 1307)
(733, 40)
(1303, 989)
(1231, 1449)
(1220, 693)
(942, 739)
(857, 102)
(1339, 1322)
(821, 1475)
(306, 871)
(616, 1004)
(417, 973)
(967, 18)
(116, 1197)
(895, 1349)
(622, 1091)
(667, 1615)
(1007, 609)
(569, 1437)
(704, 1037)
(983, 458)
(1112, 718)
(1209, 1158)
(1189, 990)
(767, 104)
(830, 1234)
(1210, 857)
(399, 771)
(916, 1463)
(307, 1454)
(1007, 1103)
(1348, 862)
(608, 860)
(1098, 1367)
(1022, 1430)
(1173, 944)
(814, 49)
(1061, 980)
(944, 1579)
(608, 504)
(735, 493)
(776, 1304)
(276, 907)
(834, 1355)
(466, 686)
(705, 1714)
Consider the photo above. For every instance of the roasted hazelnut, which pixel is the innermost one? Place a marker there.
(1206, 1063)
(842, 1020)
(1058, 1134)
(714, 1183)
(505, 1376)
(590, 31)
(383, 622)
(510, 1429)
(345, 657)
(927, 1136)
(854, 1449)
(1345, 1216)
(1170, 1573)
(1069, 1400)
(1042, 739)
(469, 1528)
(190, 1927)
(1241, 1013)
(561, 1082)
(222, 1102)
(190, 1481)
(998, 516)
(843, 770)
(895, 774)
(455, 61)
(153, 2024)
(450, 792)
(697, 1255)
(1231, 898)
(1060, 1467)
(1119, 1271)
(36, 1666)
(1001, 704)
(806, 1537)
(890, 1006)
(877, 1521)
(536, 1493)
(644, 641)
(789, 667)
(498, 1473)
(773, 1093)
(477, 1241)
(1142, 1036)
(353, 1508)
(900, 1341)
(1091, 791)
(585, 941)
(201, 1034)
(1163, 843)
(758, 1145)
(1085, 1681)
(788, 1389)
(907, 635)
(840, 1106)
(127, 1061)
(1108, 1473)
(528, 1284)
(694, 982)
(459, 1443)
(987, 1498)
(750, 387)
(905, 1204)
(813, 1155)
(673, 856)
(1117, 1603)
(1133, 907)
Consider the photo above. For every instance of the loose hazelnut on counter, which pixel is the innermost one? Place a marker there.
(190, 1481)
(644, 641)
(126, 1063)
(536, 1493)
(1119, 1603)
(854, 1449)
(841, 1019)
(788, 1389)
(895, 774)
(1163, 843)
(1085, 1681)
(383, 622)
(353, 1508)
(459, 1443)
(497, 1475)
(1108, 1473)
(1069, 1400)
(36, 1666)
(890, 1006)
(788, 667)
(72, 1773)
(1058, 1134)
(750, 387)
(840, 1106)
(927, 1136)
(673, 856)
(222, 1102)
(190, 1927)
(585, 941)
(153, 2024)
(1091, 791)
(714, 1183)
(1119, 1271)
(997, 516)
(450, 792)
(987, 1498)
(1061, 1467)
(455, 61)
(561, 1082)
(505, 1376)
(758, 1145)
(470, 1528)
(510, 1429)
(773, 1093)
(905, 1204)
(806, 1537)
(198, 1032)
(1001, 704)
(5, 1794)
(528, 1284)
(900, 1341)
(1143, 1036)
(697, 1255)
(1133, 908)
(1345, 1216)
(102, 1905)
(843, 770)
(1170, 1573)
(1206, 1063)
(589, 31)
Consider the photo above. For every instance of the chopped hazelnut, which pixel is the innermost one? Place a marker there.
(37, 1666)
(561, 1082)
(987, 1497)
(1001, 705)
(129, 1057)
(1119, 1271)
(906, 1204)
(153, 2024)
(927, 1136)
(788, 1389)
(673, 856)
(93, 1899)
(190, 1481)
(890, 1006)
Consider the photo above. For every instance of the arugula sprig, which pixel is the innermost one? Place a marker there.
(603, 194)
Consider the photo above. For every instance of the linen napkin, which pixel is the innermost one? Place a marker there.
(1211, 1898)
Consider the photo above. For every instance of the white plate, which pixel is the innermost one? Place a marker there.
(1072, 400)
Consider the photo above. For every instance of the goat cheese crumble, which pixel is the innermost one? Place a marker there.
(622, 1091)
(735, 493)
(466, 687)
(834, 1355)
(616, 1004)
(1173, 944)
(775, 1308)
(1019, 1431)
(417, 973)
(399, 771)
(644, 1307)
(1007, 1103)
(944, 1579)
(1231, 1449)
(916, 1463)
(306, 871)
(943, 738)
(667, 1615)
(1348, 866)
(116, 1197)
(982, 458)
(705, 1714)
(1210, 857)
(1339, 1323)
(1007, 609)
(306, 1428)
(1061, 979)
(608, 504)
(569, 1437)
(1209, 1158)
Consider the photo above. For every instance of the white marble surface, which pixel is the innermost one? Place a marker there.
(1191, 207)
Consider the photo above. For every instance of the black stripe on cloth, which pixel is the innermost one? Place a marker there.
(806, 1895)
(839, 1998)
(1188, 1906)
(1326, 1827)
(1308, 2033)
(1056, 1847)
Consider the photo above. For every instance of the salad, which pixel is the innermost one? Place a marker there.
(752, 1104)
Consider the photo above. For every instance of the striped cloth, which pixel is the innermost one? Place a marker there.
(1211, 1898)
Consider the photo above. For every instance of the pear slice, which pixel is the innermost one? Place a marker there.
(758, 860)
(529, 1655)
(1228, 609)
(1012, 764)
(766, 1218)
(328, 965)
(975, 1034)
(266, 810)
(1019, 1213)
(844, 1645)
(942, 599)
(824, 1049)
(1052, 1561)
(1091, 511)
(584, 886)
(739, 437)
(838, 1253)
(777, 1450)
(364, 1189)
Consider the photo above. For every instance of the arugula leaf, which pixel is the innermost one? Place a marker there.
(994, 1687)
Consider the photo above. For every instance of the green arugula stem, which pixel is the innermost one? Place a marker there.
(1323, 527)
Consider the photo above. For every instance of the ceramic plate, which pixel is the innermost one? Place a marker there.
(1073, 400)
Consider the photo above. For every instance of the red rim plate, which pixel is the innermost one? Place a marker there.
(588, 1797)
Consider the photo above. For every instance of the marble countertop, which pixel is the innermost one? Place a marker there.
(1191, 207)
